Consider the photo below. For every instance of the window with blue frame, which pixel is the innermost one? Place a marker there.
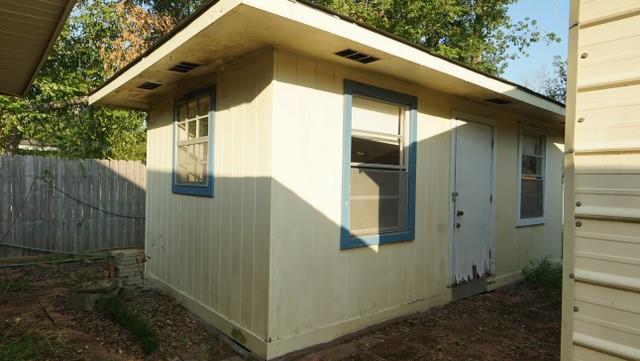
(193, 145)
(379, 166)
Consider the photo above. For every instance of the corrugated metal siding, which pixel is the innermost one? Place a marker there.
(603, 190)
(319, 292)
(214, 251)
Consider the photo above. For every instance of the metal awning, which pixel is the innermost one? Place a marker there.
(28, 30)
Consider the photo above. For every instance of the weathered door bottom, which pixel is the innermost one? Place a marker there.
(470, 288)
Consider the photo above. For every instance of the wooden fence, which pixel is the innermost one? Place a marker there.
(69, 205)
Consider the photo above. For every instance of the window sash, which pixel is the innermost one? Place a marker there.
(400, 138)
(379, 202)
(200, 106)
(525, 212)
(378, 208)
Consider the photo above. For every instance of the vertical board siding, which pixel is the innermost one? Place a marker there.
(314, 285)
(35, 214)
(602, 243)
(215, 250)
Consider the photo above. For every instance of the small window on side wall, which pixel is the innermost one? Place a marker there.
(193, 145)
(379, 166)
(532, 178)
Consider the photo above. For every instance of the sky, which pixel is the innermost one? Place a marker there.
(552, 16)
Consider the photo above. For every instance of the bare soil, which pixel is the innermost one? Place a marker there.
(521, 322)
(40, 307)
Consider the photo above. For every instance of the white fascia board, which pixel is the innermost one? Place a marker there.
(320, 20)
(200, 23)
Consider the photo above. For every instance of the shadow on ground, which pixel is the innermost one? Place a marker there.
(520, 322)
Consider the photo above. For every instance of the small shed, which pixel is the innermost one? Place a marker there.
(309, 176)
(601, 283)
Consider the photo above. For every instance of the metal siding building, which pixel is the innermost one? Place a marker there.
(261, 258)
(601, 300)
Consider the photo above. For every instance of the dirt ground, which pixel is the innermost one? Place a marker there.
(34, 302)
(521, 322)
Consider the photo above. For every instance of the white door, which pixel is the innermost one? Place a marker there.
(472, 201)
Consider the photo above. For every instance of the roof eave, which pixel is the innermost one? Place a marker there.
(422, 58)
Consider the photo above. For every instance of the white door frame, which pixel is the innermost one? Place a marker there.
(467, 117)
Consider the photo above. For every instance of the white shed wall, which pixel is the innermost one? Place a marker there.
(212, 253)
(317, 291)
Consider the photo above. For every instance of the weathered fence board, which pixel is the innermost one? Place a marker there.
(69, 204)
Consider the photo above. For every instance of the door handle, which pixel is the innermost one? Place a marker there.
(460, 213)
(458, 225)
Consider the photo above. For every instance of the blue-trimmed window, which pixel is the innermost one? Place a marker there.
(379, 166)
(531, 189)
(193, 136)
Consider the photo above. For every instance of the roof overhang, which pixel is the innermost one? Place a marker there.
(227, 29)
(28, 30)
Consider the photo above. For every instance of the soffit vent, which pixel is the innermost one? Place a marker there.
(184, 67)
(148, 85)
(357, 56)
(498, 101)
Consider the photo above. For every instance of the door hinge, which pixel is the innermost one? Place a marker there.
(491, 198)
(491, 143)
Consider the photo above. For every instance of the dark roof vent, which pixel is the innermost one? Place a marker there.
(184, 67)
(357, 56)
(148, 85)
(498, 101)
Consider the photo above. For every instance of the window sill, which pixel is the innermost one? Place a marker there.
(197, 191)
(530, 222)
(348, 242)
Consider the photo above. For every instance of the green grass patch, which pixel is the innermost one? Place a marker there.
(21, 349)
(119, 313)
(13, 286)
(545, 273)
(36, 346)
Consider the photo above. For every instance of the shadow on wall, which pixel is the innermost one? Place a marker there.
(217, 251)
(69, 204)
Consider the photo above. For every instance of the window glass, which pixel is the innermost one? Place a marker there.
(531, 145)
(531, 165)
(203, 106)
(378, 201)
(379, 178)
(532, 176)
(192, 142)
(191, 109)
(375, 151)
(203, 127)
(182, 113)
(191, 129)
(531, 196)
(375, 116)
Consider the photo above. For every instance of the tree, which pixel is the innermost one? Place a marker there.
(55, 113)
(555, 86)
(479, 33)
(102, 36)
(99, 38)
(552, 84)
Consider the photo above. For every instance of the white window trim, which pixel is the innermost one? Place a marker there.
(523, 222)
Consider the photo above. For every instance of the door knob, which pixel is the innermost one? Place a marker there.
(458, 225)
(460, 213)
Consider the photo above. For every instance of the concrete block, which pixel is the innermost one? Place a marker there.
(84, 301)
